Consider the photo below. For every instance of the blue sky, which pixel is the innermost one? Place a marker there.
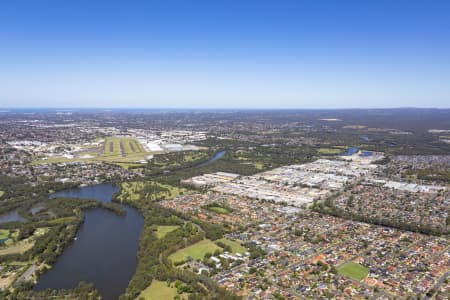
(225, 54)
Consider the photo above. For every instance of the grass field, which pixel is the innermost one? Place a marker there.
(161, 231)
(41, 231)
(158, 290)
(111, 146)
(2, 193)
(218, 209)
(135, 190)
(330, 151)
(259, 165)
(354, 271)
(192, 156)
(19, 247)
(196, 251)
(13, 247)
(123, 146)
(62, 220)
(123, 151)
(4, 233)
(235, 246)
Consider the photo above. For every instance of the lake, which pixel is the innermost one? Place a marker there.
(105, 250)
(12, 216)
(350, 151)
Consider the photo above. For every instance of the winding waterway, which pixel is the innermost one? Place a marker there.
(105, 250)
(216, 156)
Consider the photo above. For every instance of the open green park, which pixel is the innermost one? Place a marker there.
(218, 209)
(163, 230)
(236, 247)
(150, 190)
(2, 193)
(353, 270)
(195, 251)
(159, 290)
(12, 246)
(4, 235)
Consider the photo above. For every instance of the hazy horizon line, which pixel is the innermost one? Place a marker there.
(216, 108)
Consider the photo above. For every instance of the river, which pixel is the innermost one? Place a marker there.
(105, 250)
(216, 156)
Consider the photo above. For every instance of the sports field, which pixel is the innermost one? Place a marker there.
(161, 231)
(353, 270)
(329, 151)
(158, 290)
(1, 193)
(196, 251)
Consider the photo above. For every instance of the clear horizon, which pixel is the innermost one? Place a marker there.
(225, 55)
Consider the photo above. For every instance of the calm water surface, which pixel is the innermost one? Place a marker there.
(216, 156)
(105, 250)
(102, 192)
(350, 151)
(12, 216)
(34, 210)
(106, 246)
